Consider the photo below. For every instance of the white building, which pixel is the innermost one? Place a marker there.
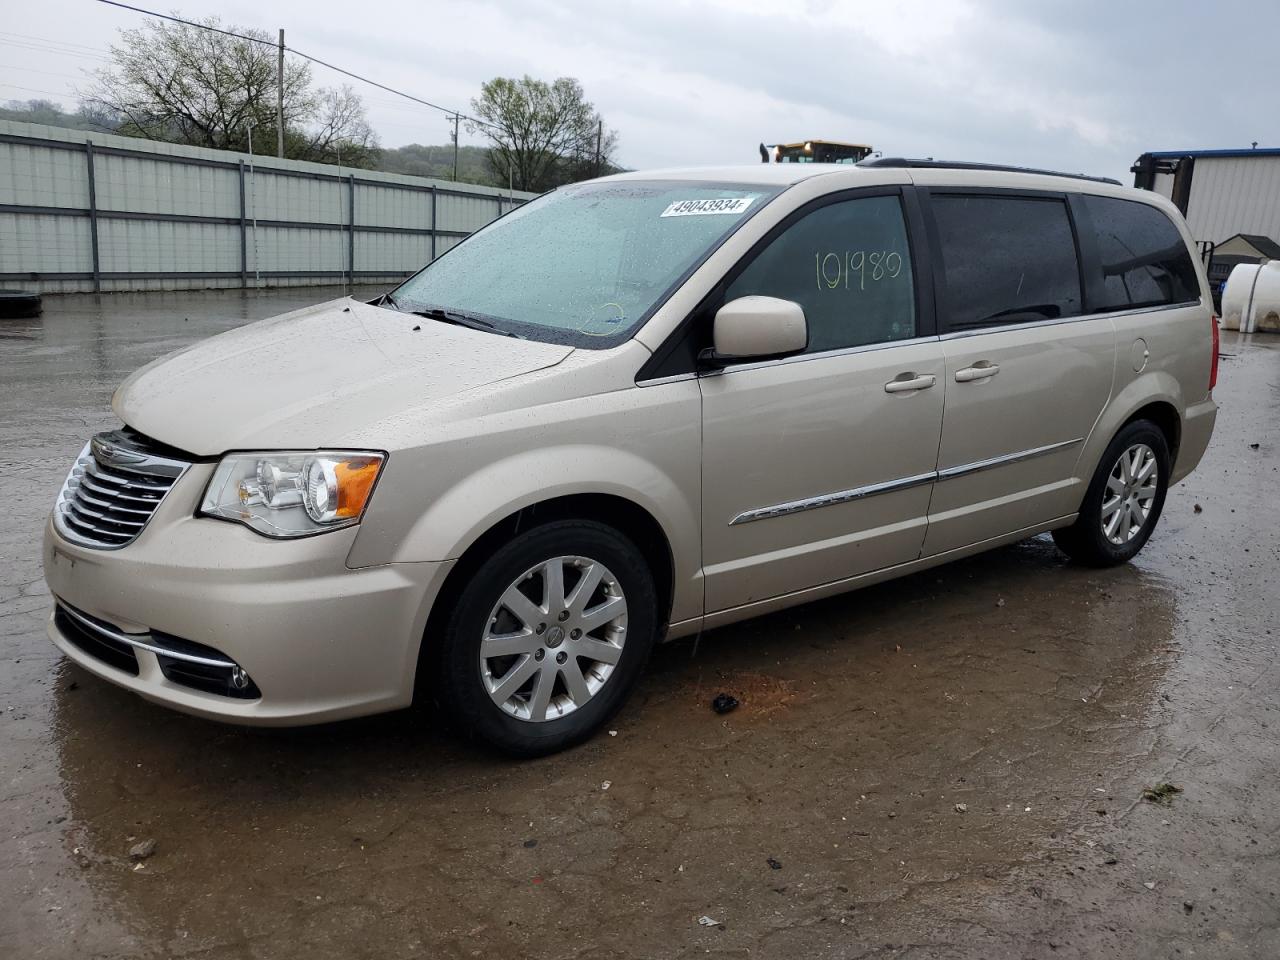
(1222, 193)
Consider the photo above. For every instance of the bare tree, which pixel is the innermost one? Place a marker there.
(184, 84)
(340, 132)
(540, 133)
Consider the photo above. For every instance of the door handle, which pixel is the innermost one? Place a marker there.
(982, 370)
(906, 382)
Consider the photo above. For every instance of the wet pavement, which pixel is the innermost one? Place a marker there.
(951, 765)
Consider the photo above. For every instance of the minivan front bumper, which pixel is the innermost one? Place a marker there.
(318, 641)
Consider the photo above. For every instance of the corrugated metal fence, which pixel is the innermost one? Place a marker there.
(91, 212)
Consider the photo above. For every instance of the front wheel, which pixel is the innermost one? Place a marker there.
(548, 638)
(1124, 499)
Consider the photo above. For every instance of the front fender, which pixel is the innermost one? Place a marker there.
(645, 447)
(470, 507)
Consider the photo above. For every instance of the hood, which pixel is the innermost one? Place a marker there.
(314, 377)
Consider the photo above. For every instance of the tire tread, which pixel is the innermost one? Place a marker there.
(1084, 541)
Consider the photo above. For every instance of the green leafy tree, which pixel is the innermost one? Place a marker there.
(183, 84)
(541, 134)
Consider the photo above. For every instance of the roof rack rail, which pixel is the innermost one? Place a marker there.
(964, 165)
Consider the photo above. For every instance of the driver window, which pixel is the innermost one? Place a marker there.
(848, 265)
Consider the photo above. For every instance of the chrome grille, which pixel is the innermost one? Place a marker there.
(113, 489)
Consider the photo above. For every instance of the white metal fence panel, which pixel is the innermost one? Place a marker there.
(386, 206)
(98, 212)
(400, 253)
(464, 214)
(141, 185)
(167, 248)
(41, 243)
(35, 176)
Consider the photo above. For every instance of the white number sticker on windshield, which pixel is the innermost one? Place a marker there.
(699, 208)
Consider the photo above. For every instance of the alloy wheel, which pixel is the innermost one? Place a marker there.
(1130, 494)
(553, 638)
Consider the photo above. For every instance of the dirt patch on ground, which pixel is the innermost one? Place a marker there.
(758, 694)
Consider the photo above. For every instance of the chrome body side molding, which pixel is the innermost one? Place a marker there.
(890, 486)
(964, 469)
(831, 499)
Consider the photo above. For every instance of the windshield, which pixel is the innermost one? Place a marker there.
(586, 264)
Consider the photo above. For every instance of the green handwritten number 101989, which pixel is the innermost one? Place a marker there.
(832, 270)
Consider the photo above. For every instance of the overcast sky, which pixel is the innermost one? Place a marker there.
(1083, 86)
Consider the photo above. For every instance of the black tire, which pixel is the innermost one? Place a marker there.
(15, 304)
(1085, 541)
(460, 688)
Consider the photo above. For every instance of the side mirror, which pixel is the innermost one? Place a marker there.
(756, 328)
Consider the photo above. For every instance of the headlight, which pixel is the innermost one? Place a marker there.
(293, 494)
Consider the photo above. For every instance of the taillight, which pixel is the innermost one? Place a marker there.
(1213, 365)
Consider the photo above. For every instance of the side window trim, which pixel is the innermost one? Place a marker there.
(1126, 311)
(660, 366)
(1090, 260)
(922, 264)
(1079, 237)
(942, 307)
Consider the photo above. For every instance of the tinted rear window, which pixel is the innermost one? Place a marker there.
(1144, 260)
(1006, 260)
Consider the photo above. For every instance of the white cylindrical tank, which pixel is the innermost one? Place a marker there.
(1251, 300)
(1236, 294)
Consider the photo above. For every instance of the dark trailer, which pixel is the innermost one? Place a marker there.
(814, 151)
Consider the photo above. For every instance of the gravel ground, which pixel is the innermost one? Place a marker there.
(951, 765)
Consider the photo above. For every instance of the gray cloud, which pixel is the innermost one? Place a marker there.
(1084, 85)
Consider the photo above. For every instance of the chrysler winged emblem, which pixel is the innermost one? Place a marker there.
(110, 453)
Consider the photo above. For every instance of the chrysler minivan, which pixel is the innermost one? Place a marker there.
(630, 410)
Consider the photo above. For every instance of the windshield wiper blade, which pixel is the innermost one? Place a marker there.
(461, 319)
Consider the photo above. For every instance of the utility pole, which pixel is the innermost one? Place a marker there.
(280, 98)
(253, 190)
(599, 136)
(456, 118)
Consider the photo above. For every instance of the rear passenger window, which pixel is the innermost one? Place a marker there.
(847, 264)
(1144, 260)
(1006, 260)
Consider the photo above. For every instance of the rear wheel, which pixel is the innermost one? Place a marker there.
(548, 638)
(1124, 499)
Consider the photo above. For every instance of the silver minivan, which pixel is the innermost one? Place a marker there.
(633, 409)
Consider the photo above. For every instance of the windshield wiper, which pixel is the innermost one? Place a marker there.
(461, 319)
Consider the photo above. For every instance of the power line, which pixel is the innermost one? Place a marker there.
(64, 43)
(399, 93)
(189, 23)
(304, 56)
(46, 73)
(56, 51)
(14, 86)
